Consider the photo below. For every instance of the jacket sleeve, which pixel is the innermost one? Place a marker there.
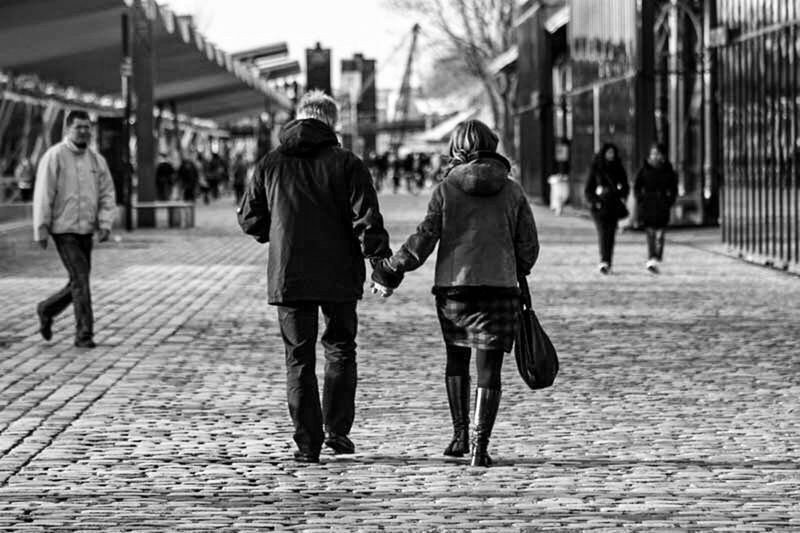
(107, 199)
(526, 239)
(422, 242)
(672, 189)
(589, 190)
(366, 215)
(44, 193)
(253, 212)
(625, 188)
(638, 186)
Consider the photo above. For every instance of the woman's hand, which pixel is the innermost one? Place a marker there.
(377, 288)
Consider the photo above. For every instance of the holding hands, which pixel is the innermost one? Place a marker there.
(377, 288)
(385, 279)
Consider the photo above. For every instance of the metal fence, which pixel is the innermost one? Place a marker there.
(759, 83)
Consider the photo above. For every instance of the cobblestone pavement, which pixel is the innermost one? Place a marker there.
(676, 408)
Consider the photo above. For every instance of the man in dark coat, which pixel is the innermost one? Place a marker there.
(315, 204)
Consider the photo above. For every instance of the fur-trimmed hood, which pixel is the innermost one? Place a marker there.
(483, 174)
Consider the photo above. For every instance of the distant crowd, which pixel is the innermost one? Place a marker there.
(413, 170)
(201, 177)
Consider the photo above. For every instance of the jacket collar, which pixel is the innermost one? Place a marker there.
(483, 174)
(487, 155)
(74, 148)
(306, 136)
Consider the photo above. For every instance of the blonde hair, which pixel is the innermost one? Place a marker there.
(469, 137)
(316, 104)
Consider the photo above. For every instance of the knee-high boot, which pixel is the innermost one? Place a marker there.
(458, 397)
(486, 404)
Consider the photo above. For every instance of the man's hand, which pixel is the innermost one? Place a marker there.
(378, 288)
(43, 244)
(103, 235)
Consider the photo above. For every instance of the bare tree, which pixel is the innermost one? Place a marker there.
(476, 32)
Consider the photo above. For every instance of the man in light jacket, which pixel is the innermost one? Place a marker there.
(73, 198)
(315, 204)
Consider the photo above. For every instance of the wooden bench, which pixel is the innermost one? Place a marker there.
(171, 214)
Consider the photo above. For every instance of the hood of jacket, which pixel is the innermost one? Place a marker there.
(483, 174)
(306, 136)
(666, 166)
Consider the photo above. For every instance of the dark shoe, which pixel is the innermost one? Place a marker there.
(45, 323)
(486, 404)
(458, 398)
(85, 343)
(304, 457)
(340, 444)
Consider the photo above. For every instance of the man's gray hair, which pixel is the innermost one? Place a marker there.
(316, 104)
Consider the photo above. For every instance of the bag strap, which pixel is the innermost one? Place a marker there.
(525, 292)
(612, 186)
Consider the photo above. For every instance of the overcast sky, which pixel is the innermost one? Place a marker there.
(345, 26)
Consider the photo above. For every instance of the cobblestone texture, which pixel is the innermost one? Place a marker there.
(676, 408)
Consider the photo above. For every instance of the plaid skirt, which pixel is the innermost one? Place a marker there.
(484, 323)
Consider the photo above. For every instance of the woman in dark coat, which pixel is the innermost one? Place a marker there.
(606, 191)
(655, 190)
(487, 237)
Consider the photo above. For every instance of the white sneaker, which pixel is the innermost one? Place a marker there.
(604, 268)
(652, 266)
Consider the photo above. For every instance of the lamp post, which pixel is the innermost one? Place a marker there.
(126, 72)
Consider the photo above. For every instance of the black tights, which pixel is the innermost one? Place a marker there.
(488, 364)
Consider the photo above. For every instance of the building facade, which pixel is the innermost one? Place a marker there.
(359, 117)
(716, 82)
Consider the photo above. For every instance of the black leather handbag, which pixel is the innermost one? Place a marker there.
(537, 361)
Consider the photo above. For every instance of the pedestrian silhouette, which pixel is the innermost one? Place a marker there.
(486, 237)
(606, 191)
(655, 190)
(315, 203)
(73, 198)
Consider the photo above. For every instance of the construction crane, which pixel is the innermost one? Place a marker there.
(404, 97)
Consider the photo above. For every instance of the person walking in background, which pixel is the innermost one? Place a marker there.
(165, 178)
(487, 239)
(73, 199)
(314, 202)
(655, 190)
(203, 182)
(188, 179)
(606, 191)
(239, 172)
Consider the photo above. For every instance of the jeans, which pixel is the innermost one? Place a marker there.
(299, 327)
(76, 254)
(606, 232)
(655, 243)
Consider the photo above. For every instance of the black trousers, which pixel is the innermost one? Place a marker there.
(606, 232)
(655, 243)
(299, 327)
(76, 253)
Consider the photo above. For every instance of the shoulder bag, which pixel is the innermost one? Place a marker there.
(537, 361)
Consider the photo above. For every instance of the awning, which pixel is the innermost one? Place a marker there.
(79, 43)
(557, 20)
(442, 132)
(504, 60)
